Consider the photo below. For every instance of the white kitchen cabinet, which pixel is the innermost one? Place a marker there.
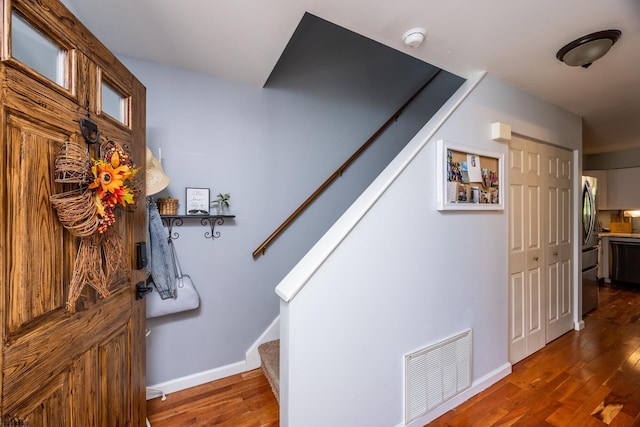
(618, 189)
(623, 189)
(613, 198)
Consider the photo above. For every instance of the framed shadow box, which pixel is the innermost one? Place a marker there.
(469, 178)
(197, 201)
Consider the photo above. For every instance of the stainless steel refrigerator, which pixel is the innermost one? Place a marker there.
(590, 244)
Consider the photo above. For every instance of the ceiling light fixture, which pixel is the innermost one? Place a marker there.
(584, 51)
(414, 37)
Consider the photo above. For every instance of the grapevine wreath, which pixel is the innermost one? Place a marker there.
(88, 211)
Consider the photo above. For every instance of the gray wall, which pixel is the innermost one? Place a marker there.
(270, 148)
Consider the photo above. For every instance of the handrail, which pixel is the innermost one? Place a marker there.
(341, 169)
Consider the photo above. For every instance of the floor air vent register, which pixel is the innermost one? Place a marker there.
(436, 373)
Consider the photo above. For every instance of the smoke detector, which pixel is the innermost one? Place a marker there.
(414, 37)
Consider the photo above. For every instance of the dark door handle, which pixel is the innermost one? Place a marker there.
(142, 290)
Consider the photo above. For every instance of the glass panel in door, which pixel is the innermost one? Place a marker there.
(35, 50)
(113, 103)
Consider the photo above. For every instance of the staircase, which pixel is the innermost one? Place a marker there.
(270, 357)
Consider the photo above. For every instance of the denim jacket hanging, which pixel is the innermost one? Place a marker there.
(160, 267)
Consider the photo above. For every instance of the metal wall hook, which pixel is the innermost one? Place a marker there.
(89, 131)
(88, 128)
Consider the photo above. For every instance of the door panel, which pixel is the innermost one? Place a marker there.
(535, 306)
(114, 380)
(37, 257)
(517, 253)
(526, 310)
(566, 305)
(533, 223)
(553, 296)
(517, 317)
(558, 250)
(80, 367)
(565, 219)
(84, 405)
(517, 203)
(552, 242)
(535, 310)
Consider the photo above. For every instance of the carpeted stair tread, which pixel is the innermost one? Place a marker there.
(270, 357)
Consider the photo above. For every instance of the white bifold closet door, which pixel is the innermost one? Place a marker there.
(540, 256)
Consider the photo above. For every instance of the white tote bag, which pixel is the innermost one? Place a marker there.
(187, 297)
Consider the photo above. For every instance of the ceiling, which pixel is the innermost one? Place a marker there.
(515, 41)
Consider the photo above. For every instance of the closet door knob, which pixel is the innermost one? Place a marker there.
(555, 253)
(535, 258)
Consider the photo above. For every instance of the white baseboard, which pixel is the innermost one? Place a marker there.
(578, 326)
(477, 386)
(196, 379)
(252, 361)
(252, 358)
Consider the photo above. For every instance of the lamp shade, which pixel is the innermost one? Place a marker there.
(585, 50)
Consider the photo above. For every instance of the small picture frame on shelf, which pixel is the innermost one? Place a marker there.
(469, 178)
(197, 201)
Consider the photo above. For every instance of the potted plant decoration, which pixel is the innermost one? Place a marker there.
(222, 203)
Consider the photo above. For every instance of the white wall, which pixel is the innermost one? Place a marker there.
(405, 276)
(270, 148)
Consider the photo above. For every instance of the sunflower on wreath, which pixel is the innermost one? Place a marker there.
(110, 177)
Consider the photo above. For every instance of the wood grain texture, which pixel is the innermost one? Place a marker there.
(58, 368)
(37, 258)
(584, 378)
(240, 400)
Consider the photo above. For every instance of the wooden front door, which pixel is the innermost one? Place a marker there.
(80, 364)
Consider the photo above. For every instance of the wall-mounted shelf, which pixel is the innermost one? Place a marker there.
(207, 220)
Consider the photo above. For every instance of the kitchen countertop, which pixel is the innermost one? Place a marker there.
(631, 235)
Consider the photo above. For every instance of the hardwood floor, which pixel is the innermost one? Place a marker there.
(242, 400)
(585, 378)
